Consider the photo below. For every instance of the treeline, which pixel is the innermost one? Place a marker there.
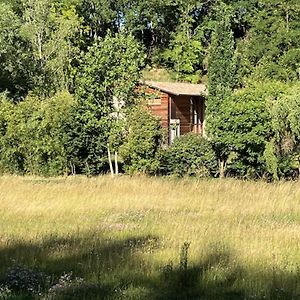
(69, 71)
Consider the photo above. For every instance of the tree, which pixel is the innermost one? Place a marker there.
(286, 125)
(185, 52)
(49, 32)
(14, 61)
(271, 49)
(38, 51)
(151, 22)
(99, 17)
(246, 127)
(271, 159)
(105, 87)
(221, 82)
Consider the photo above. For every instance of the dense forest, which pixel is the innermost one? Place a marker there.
(65, 63)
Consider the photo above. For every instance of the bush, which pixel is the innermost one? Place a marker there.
(32, 139)
(86, 140)
(141, 147)
(190, 155)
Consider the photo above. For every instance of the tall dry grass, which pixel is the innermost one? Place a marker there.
(128, 232)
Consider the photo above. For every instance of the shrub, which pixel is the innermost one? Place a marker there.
(190, 155)
(86, 141)
(141, 147)
(32, 139)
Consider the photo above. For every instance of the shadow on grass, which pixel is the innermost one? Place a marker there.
(114, 269)
(218, 276)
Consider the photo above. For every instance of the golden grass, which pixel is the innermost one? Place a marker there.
(257, 222)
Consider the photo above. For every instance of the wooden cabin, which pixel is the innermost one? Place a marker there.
(180, 106)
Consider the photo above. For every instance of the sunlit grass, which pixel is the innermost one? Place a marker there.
(126, 231)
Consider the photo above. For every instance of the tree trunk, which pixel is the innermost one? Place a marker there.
(116, 164)
(299, 168)
(222, 163)
(110, 162)
(73, 170)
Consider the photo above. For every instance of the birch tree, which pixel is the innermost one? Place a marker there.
(48, 32)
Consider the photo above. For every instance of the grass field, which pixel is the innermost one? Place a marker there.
(148, 238)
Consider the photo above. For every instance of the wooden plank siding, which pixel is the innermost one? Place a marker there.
(181, 109)
(190, 110)
(161, 111)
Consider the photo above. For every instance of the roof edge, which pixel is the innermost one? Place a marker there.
(155, 85)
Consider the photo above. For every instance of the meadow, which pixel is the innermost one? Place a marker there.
(148, 238)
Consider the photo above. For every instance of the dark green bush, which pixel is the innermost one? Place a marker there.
(190, 155)
(86, 140)
(288, 166)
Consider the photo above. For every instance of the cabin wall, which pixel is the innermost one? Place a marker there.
(181, 109)
(159, 106)
(167, 107)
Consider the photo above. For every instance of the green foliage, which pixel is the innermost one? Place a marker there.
(48, 32)
(87, 133)
(221, 62)
(142, 143)
(9, 22)
(221, 72)
(272, 47)
(45, 35)
(260, 128)
(271, 159)
(286, 126)
(288, 165)
(99, 17)
(109, 72)
(185, 52)
(151, 22)
(13, 59)
(38, 48)
(286, 119)
(31, 137)
(247, 126)
(185, 56)
(105, 87)
(190, 155)
(236, 43)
